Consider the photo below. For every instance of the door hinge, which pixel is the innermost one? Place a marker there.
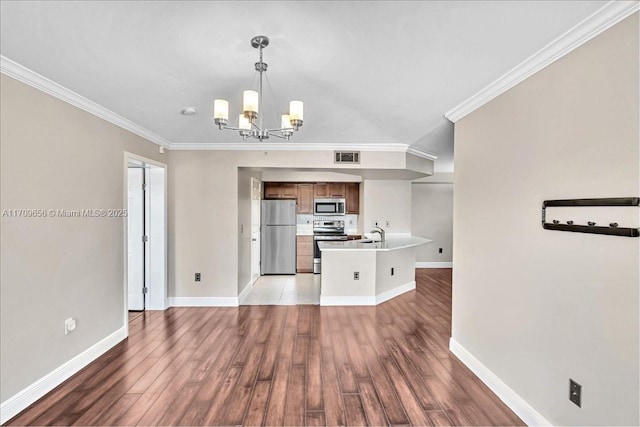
(145, 239)
(145, 290)
(144, 186)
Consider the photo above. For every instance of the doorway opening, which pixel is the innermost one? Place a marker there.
(146, 236)
(256, 196)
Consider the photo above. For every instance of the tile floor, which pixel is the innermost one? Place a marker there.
(285, 290)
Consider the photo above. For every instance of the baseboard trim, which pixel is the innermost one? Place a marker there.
(517, 404)
(368, 300)
(434, 265)
(392, 293)
(203, 301)
(342, 300)
(247, 289)
(21, 400)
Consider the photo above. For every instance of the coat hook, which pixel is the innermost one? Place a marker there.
(613, 224)
(570, 222)
(591, 223)
(555, 221)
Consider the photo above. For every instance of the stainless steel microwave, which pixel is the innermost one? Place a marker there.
(328, 207)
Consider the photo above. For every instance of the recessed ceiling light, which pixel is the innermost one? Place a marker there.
(189, 111)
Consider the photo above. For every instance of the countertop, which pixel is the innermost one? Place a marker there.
(390, 244)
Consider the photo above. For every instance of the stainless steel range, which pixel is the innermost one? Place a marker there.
(325, 230)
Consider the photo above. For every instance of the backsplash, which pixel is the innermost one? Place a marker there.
(305, 222)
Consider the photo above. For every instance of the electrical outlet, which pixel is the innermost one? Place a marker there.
(392, 271)
(198, 277)
(439, 250)
(575, 393)
(356, 275)
(69, 325)
(387, 224)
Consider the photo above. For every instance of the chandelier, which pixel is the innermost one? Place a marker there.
(250, 121)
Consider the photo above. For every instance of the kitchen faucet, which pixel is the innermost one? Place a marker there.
(379, 231)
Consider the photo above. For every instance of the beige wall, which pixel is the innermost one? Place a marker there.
(432, 218)
(56, 156)
(538, 307)
(386, 200)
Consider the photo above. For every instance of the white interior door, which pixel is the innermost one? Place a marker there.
(256, 195)
(155, 278)
(136, 262)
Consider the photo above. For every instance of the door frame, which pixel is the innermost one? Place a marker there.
(160, 289)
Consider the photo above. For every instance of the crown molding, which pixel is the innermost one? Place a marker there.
(33, 79)
(420, 153)
(605, 17)
(284, 146)
(288, 146)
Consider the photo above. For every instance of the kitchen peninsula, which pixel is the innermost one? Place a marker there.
(367, 272)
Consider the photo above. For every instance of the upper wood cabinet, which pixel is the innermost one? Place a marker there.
(305, 199)
(352, 190)
(329, 190)
(272, 190)
(289, 190)
(337, 190)
(280, 190)
(320, 190)
(304, 193)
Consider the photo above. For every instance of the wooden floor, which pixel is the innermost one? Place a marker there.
(282, 365)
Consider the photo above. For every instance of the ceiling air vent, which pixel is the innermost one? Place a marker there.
(346, 156)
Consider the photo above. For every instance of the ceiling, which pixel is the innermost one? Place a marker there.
(369, 72)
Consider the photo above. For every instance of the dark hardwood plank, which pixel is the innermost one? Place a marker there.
(386, 393)
(295, 412)
(218, 405)
(411, 405)
(239, 399)
(439, 418)
(373, 409)
(354, 411)
(258, 404)
(315, 401)
(276, 407)
(316, 419)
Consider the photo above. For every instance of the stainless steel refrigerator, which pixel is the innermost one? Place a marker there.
(278, 238)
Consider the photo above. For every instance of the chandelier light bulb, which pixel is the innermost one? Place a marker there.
(250, 103)
(221, 109)
(286, 122)
(296, 110)
(244, 123)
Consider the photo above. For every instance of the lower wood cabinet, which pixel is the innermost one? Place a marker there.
(304, 259)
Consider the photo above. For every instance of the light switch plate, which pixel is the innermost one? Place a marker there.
(69, 325)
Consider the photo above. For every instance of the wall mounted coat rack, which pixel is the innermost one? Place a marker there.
(591, 227)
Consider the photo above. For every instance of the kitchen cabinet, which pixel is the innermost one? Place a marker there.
(280, 190)
(320, 190)
(304, 258)
(305, 199)
(333, 190)
(352, 190)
